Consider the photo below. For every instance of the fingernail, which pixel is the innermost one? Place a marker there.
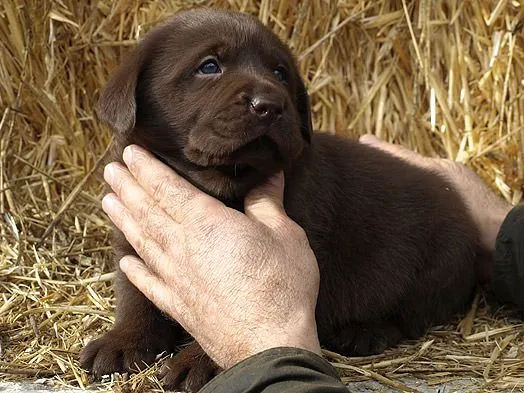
(128, 154)
(124, 263)
(369, 139)
(109, 172)
(108, 203)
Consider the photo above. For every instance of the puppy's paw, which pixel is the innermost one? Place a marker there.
(364, 340)
(189, 370)
(120, 351)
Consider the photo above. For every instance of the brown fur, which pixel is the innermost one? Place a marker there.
(396, 248)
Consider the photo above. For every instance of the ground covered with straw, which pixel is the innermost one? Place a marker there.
(442, 77)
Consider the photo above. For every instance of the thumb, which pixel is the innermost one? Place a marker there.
(265, 203)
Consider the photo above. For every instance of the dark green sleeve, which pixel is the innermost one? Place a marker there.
(508, 277)
(278, 370)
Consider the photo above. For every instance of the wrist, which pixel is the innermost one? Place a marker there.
(301, 334)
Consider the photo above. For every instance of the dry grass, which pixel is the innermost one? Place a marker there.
(443, 77)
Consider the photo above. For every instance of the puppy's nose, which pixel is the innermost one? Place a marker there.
(265, 109)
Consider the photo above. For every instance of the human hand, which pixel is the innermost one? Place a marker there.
(486, 208)
(238, 283)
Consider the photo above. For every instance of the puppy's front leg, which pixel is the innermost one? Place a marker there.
(140, 332)
(189, 370)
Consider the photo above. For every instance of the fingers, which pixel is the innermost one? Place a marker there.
(156, 226)
(179, 198)
(148, 283)
(266, 202)
(145, 246)
(396, 150)
(369, 139)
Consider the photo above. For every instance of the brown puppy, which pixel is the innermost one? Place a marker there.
(218, 97)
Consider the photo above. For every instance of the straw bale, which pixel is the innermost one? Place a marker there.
(445, 78)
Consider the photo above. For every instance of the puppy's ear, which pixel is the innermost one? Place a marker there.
(117, 104)
(304, 110)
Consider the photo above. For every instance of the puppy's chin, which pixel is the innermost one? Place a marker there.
(229, 177)
(227, 184)
(227, 167)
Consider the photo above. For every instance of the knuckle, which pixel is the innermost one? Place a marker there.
(289, 229)
(138, 162)
(146, 248)
(283, 224)
(146, 211)
(151, 292)
(202, 209)
(168, 239)
(222, 212)
(124, 221)
(155, 227)
(160, 188)
(298, 232)
(204, 203)
(139, 244)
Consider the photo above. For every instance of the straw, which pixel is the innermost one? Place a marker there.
(445, 78)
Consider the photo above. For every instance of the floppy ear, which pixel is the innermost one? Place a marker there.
(304, 110)
(117, 104)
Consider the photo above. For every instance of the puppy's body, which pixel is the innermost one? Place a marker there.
(395, 245)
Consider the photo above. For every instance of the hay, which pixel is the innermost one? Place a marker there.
(443, 77)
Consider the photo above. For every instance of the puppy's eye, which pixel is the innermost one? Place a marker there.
(281, 73)
(209, 66)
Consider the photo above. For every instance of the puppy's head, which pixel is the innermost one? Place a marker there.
(216, 96)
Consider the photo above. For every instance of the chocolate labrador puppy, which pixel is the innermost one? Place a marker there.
(217, 97)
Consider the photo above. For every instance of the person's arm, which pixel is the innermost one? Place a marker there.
(500, 225)
(279, 370)
(508, 277)
(487, 209)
